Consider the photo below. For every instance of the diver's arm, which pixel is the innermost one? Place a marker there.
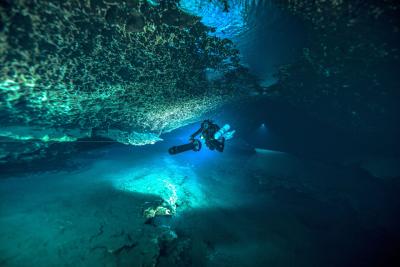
(196, 133)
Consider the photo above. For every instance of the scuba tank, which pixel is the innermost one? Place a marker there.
(223, 132)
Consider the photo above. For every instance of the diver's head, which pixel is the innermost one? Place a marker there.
(206, 124)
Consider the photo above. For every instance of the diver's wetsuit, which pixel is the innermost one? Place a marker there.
(208, 130)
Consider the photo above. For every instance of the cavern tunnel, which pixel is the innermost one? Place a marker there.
(199, 133)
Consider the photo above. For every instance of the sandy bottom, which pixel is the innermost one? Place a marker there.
(230, 209)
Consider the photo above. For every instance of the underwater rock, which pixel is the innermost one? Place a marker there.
(133, 138)
(152, 212)
(39, 134)
(135, 22)
(129, 70)
(168, 236)
(21, 151)
(24, 144)
(175, 186)
(383, 168)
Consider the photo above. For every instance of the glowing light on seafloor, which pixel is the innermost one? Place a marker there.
(174, 184)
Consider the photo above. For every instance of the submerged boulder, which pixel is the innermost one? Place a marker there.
(152, 212)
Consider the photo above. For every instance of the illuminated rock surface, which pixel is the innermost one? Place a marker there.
(132, 70)
(125, 70)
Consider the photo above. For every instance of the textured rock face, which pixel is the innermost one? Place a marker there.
(131, 70)
(94, 64)
(126, 69)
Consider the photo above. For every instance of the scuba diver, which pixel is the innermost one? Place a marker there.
(208, 129)
(210, 133)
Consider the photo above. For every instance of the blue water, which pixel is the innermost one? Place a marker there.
(94, 93)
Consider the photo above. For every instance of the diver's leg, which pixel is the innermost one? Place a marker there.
(220, 145)
(210, 145)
